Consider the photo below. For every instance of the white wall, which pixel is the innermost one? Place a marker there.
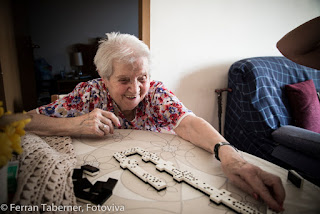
(194, 42)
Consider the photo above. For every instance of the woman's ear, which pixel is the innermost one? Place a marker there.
(105, 82)
(99, 73)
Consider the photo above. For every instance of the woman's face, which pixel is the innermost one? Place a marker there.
(129, 83)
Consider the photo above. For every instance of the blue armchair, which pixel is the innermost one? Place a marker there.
(257, 106)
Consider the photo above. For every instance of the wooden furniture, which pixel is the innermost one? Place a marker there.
(55, 97)
(88, 69)
(65, 86)
(88, 52)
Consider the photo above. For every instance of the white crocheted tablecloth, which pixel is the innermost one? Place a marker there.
(45, 170)
(135, 196)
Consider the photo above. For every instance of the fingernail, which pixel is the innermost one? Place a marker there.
(119, 125)
(255, 195)
(282, 208)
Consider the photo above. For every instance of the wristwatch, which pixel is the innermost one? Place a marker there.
(217, 147)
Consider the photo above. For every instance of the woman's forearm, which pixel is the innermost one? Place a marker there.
(199, 132)
(96, 123)
(44, 125)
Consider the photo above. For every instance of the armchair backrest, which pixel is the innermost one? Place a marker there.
(257, 104)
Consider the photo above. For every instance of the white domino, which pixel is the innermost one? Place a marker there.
(146, 157)
(119, 157)
(231, 202)
(177, 175)
(133, 166)
(129, 152)
(218, 196)
(165, 166)
(128, 163)
(189, 178)
(207, 189)
(154, 158)
(140, 151)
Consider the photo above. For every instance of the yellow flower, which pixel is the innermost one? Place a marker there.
(5, 149)
(1, 111)
(9, 130)
(20, 129)
(16, 140)
(10, 134)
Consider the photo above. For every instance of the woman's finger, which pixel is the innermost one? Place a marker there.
(238, 181)
(105, 128)
(112, 117)
(257, 182)
(274, 185)
(103, 121)
(107, 122)
(259, 187)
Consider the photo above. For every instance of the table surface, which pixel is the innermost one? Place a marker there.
(134, 196)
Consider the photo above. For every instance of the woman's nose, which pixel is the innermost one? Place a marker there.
(134, 87)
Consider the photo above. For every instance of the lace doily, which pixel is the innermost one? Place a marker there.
(45, 171)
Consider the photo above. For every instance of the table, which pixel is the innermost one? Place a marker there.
(132, 195)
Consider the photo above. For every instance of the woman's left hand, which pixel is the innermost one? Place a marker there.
(255, 181)
(248, 177)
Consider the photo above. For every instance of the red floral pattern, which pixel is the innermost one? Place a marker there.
(160, 109)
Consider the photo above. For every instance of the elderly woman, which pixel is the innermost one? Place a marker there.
(125, 97)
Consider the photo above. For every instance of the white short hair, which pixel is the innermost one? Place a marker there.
(125, 48)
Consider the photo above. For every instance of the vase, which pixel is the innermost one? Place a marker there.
(4, 184)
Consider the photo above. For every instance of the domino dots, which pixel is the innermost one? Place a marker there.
(215, 195)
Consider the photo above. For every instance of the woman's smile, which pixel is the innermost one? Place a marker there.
(131, 97)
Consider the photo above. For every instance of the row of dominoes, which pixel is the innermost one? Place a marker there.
(216, 195)
(132, 166)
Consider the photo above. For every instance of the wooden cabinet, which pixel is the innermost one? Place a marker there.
(67, 85)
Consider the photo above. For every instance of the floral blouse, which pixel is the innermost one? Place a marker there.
(160, 109)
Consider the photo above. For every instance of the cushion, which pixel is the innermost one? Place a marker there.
(305, 165)
(304, 104)
(298, 139)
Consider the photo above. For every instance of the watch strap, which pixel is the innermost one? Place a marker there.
(217, 147)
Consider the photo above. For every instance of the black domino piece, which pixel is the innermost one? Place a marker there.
(98, 187)
(83, 196)
(295, 178)
(111, 183)
(101, 186)
(77, 174)
(82, 184)
(101, 197)
(90, 170)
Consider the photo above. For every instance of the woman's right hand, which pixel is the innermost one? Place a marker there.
(98, 123)
(252, 179)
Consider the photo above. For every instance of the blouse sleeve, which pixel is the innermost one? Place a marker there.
(76, 103)
(168, 110)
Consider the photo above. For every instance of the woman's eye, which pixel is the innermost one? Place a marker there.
(123, 80)
(142, 79)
